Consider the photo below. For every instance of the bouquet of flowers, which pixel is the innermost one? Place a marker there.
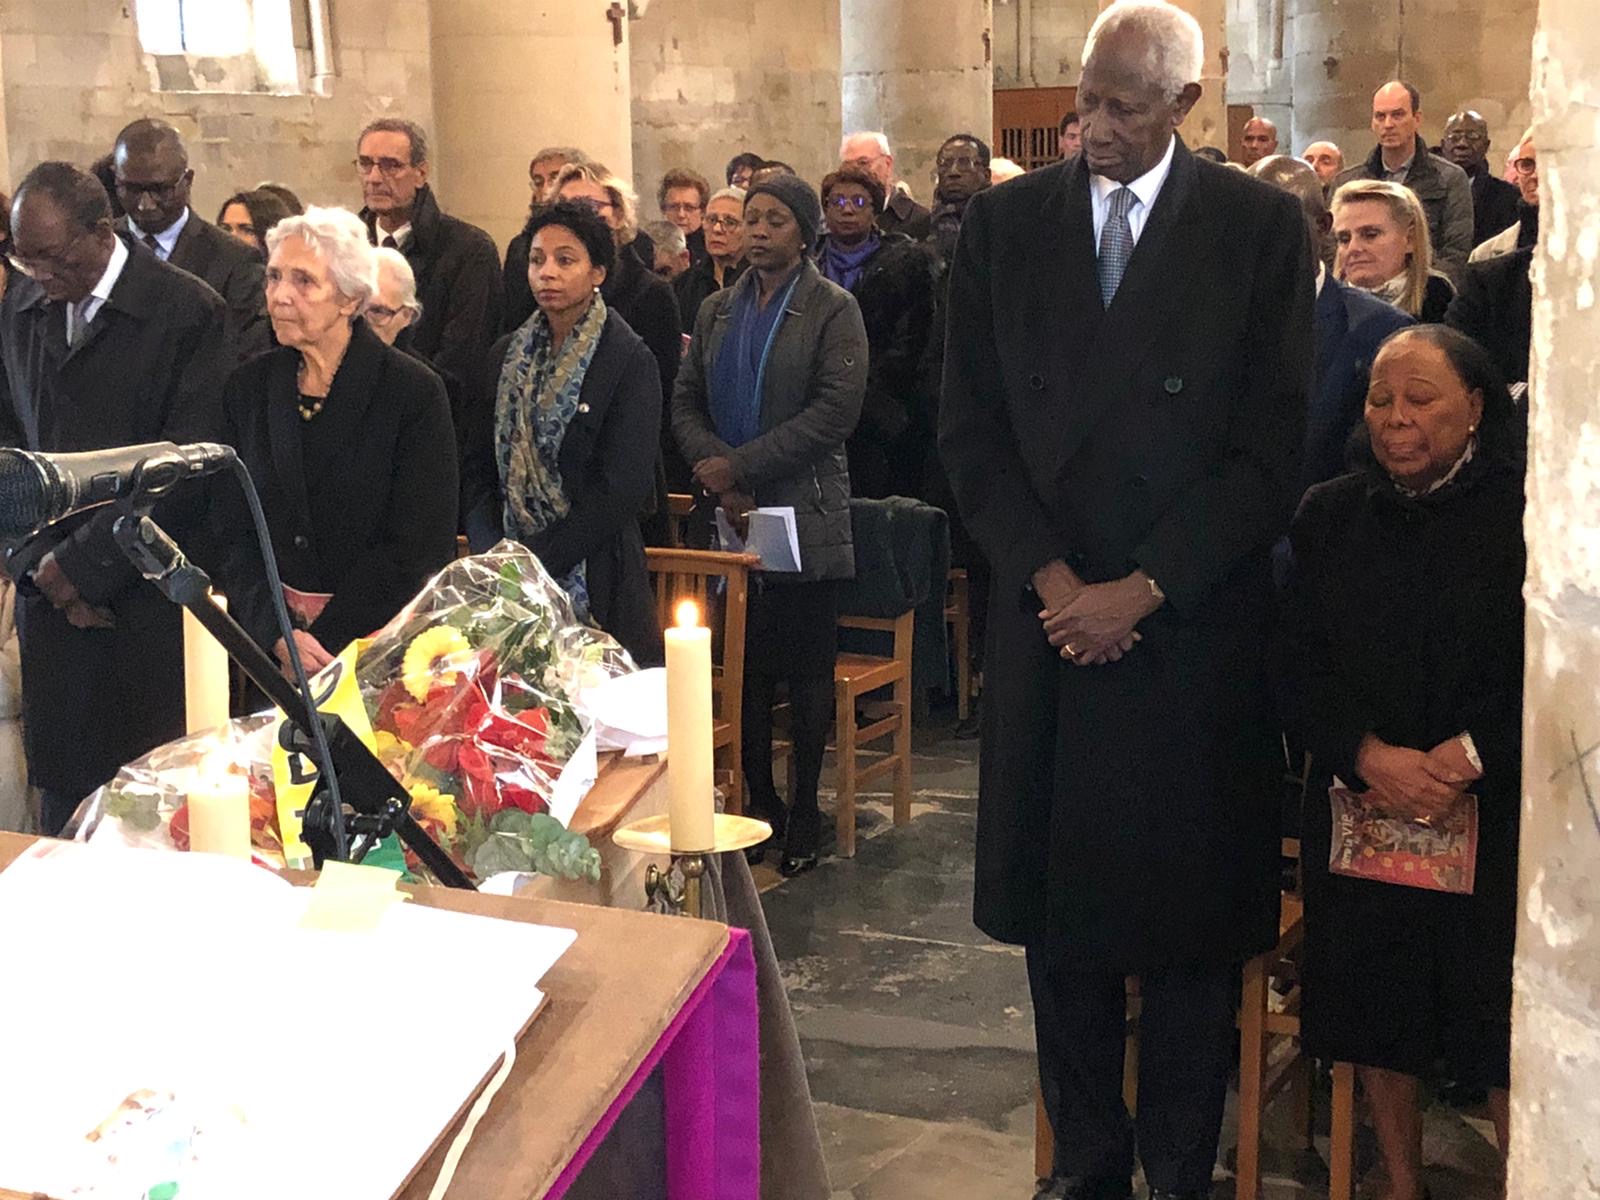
(471, 697)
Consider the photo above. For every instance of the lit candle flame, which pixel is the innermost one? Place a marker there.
(688, 615)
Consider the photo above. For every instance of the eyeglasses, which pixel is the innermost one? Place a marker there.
(963, 162)
(1526, 166)
(53, 262)
(864, 162)
(387, 167)
(729, 223)
(683, 206)
(156, 191)
(595, 206)
(846, 203)
(382, 313)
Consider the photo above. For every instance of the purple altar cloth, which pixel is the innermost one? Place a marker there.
(710, 1059)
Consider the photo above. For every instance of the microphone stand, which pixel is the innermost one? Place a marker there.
(380, 806)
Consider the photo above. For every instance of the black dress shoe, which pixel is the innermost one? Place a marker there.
(796, 864)
(1163, 1194)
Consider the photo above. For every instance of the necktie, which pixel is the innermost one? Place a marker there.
(1116, 243)
(390, 243)
(155, 246)
(79, 320)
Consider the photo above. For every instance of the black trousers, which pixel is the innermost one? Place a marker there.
(1185, 1054)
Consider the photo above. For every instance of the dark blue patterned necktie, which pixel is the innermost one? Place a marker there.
(1116, 243)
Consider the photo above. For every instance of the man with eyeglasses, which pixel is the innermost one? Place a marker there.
(150, 165)
(101, 344)
(870, 151)
(456, 264)
(1523, 231)
(1494, 201)
(960, 172)
(682, 197)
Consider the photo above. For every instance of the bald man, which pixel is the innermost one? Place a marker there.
(1401, 156)
(1260, 139)
(1494, 201)
(153, 180)
(1326, 159)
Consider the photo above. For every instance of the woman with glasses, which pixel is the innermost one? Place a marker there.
(892, 280)
(771, 388)
(350, 444)
(564, 457)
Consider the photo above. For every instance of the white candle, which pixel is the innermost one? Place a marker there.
(690, 804)
(205, 675)
(219, 812)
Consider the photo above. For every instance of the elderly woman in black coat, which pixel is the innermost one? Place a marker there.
(1402, 673)
(565, 457)
(350, 444)
(769, 391)
(892, 279)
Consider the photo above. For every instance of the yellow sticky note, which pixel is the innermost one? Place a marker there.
(351, 899)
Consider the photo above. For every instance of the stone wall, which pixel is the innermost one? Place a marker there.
(1039, 43)
(1555, 1106)
(714, 77)
(74, 74)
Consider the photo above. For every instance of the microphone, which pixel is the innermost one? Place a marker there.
(37, 489)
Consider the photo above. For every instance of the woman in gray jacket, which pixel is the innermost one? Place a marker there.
(769, 391)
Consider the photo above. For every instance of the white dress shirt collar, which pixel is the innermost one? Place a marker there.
(167, 239)
(101, 292)
(399, 235)
(1146, 188)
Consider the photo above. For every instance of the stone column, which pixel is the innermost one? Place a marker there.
(919, 70)
(510, 78)
(1458, 53)
(1555, 1106)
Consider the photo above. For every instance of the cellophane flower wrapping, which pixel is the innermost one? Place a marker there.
(473, 693)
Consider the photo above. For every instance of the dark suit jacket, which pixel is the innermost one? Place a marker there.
(1351, 325)
(238, 275)
(904, 215)
(150, 368)
(371, 532)
(458, 281)
(1495, 307)
(1128, 817)
(607, 465)
(1494, 204)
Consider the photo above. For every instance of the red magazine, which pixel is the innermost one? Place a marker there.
(1369, 842)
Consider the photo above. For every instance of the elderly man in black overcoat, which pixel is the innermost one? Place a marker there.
(104, 345)
(1125, 385)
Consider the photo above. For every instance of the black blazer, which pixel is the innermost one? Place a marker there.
(607, 465)
(458, 281)
(1495, 306)
(150, 368)
(371, 532)
(233, 270)
(1162, 433)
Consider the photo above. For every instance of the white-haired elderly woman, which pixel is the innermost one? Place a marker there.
(351, 446)
(394, 307)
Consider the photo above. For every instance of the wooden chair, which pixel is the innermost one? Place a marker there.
(680, 507)
(687, 575)
(854, 675)
(957, 615)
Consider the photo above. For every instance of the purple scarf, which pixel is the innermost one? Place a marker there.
(845, 266)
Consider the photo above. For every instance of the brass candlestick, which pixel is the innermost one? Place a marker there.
(653, 835)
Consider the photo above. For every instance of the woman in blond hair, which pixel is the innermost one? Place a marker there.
(1381, 234)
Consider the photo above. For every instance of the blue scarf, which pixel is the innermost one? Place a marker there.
(537, 398)
(741, 365)
(846, 266)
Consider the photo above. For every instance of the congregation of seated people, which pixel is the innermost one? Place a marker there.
(758, 339)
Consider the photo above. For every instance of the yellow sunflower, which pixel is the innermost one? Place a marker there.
(429, 804)
(432, 655)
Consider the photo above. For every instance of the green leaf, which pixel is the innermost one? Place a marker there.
(501, 852)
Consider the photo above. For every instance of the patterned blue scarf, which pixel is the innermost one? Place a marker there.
(536, 400)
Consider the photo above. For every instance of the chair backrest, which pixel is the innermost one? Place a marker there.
(681, 575)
